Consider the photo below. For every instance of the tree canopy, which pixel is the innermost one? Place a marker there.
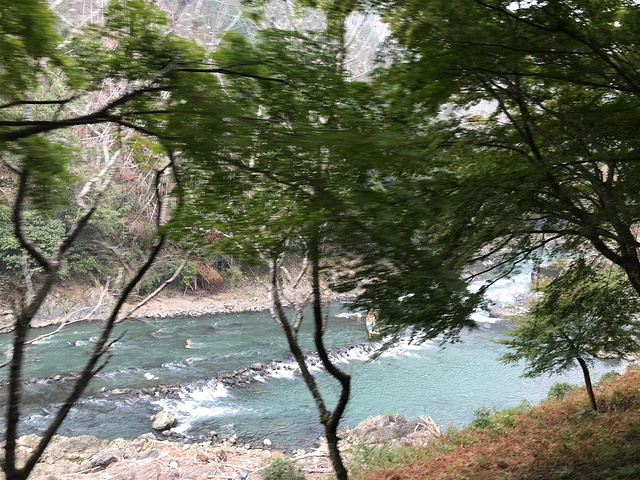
(533, 106)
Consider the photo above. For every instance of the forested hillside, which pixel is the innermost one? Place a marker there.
(114, 243)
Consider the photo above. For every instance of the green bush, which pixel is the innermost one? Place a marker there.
(189, 274)
(235, 274)
(634, 428)
(507, 418)
(368, 458)
(282, 469)
(559, 390)
(41, 228)
(497, 420)
(483, 418)
(159, 273)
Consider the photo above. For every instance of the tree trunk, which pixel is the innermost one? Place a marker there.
(627, 257)
(587, 381)
(330, 432)
(632, 269)
(331, 421)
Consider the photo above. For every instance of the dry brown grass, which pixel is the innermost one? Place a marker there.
(556, 439)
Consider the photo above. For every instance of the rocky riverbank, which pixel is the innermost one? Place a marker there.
(75, 302)
(86, 457)
(146, 457)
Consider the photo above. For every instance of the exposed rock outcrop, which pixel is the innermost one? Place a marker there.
(146, 457)
(395, 429)
(103, 458)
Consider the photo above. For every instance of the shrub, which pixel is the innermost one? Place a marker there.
(559, 390)
(368, 458)
(483, 418)
(634, 428)
(235, 274)
(497, 420)
(507, 418)
(282, 469)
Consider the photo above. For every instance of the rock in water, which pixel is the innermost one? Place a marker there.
(163, 421)
(266, 442)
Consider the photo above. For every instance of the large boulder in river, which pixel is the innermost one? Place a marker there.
(163, 421)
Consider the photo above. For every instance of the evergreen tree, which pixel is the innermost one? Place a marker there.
(581, 315)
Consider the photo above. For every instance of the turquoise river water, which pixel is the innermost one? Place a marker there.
(447, 384)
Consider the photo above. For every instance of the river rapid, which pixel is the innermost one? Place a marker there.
(446, 383)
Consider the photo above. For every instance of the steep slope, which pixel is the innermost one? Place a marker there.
(557, 439)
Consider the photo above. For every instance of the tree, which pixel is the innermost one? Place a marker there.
(582, 314)
(526, 113)
(289, 161)
(153, 71)
(305, 168)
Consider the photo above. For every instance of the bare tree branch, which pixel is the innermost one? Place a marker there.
(38, 102)
(67, 322)
(155, 292)
(99, 355)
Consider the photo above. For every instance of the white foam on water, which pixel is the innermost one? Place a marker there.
(114, 373)
(315, 368)
(482, 316)
(282, 374)
(358, 353)
(506, 290)
(211, 391)
(289, 369)
(406, 349)
(197, 403)
(405, 346)
(176, 365)
(504, 293)
(286, 370)
(353, 315)
(195, 344)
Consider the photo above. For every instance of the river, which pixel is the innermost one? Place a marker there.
(447, 384)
